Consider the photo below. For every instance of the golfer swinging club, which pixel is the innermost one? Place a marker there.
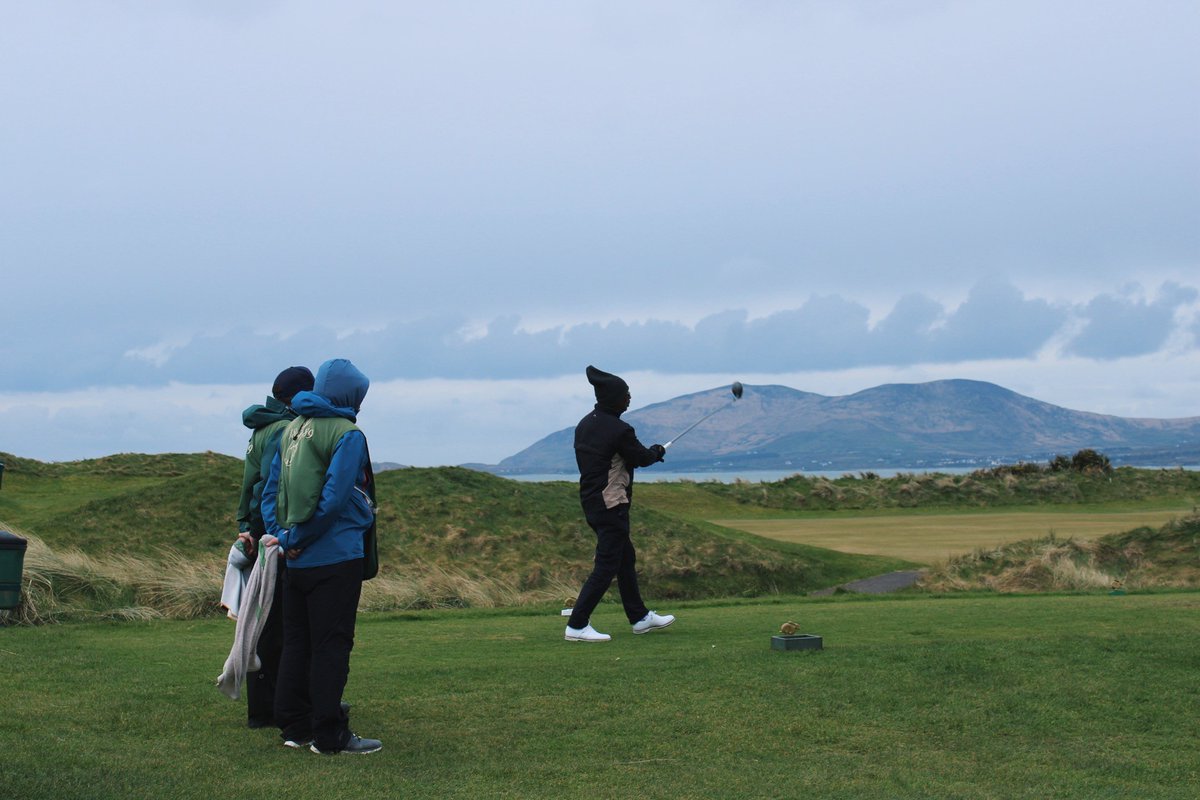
(607, 452)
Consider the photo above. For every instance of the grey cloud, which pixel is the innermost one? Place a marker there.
(910, 323)
(238, 356)
(57, 352)
(827, 332)
(996, 321)
(1118, 327)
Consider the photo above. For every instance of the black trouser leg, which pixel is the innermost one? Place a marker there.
(627, 583)
(319, 610)
(293, 708)
(615, 558)
(260, 686)
(332, 611)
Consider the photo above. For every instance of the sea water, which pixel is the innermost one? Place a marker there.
(651, 475)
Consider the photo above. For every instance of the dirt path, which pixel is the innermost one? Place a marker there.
(880, 584)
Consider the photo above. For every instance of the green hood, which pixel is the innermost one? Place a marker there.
(260, 416)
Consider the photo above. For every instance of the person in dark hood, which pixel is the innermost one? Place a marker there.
(608, 451)
(318, 498)
(266, 422)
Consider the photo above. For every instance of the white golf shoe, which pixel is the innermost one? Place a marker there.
(585, 634)
(652, 622)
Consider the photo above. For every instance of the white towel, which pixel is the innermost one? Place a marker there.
(237, 570)
(256, 607)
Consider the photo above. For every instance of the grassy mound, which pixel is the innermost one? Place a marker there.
(125, 503)
(104, 531)
(134, 535)
(1144, 558)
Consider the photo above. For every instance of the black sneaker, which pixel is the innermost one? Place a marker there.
(297, 743)
(357, 744)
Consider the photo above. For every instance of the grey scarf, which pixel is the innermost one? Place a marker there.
(256, 605)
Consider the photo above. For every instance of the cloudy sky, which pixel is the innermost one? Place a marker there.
(475, 200)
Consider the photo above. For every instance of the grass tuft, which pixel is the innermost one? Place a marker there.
(1144, 558)
(67, 585)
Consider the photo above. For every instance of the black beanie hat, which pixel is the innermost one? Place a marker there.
(292, 381)
(610, 390)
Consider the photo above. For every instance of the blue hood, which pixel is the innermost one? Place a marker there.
(338, 392)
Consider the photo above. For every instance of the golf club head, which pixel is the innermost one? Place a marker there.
(737, 390)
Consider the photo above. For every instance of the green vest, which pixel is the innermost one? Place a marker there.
(304, 455)
(254, 475)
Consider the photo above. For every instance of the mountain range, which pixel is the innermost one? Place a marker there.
(925, 426)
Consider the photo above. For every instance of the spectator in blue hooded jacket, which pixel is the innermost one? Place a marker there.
(317, 505)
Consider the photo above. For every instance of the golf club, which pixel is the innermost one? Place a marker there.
(737, 395)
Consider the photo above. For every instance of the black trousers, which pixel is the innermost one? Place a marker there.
(615, 558)
(320, 605)
(260, 686)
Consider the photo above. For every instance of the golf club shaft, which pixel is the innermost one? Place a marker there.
(694, 424)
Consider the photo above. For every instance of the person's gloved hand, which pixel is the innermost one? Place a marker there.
(659, 451)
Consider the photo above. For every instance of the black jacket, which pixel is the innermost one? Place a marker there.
(607, 451)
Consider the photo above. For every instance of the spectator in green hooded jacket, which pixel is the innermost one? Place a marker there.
(267, 422)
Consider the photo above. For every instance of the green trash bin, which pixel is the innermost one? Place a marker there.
(12, 563)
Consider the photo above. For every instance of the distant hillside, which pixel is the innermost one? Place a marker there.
(912, 426)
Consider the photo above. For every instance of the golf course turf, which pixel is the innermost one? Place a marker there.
(1060, 696)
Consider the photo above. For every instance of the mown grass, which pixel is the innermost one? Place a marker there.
(1126, 488)
(928, 538)
(923, 697)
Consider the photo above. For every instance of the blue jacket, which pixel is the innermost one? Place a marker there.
(334, 533)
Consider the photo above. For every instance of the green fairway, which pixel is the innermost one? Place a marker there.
(927, 538)
(972, 697)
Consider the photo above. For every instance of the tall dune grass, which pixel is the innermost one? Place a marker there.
(59, 586)
(434, 586)
(1144, 558)
(69, 584)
